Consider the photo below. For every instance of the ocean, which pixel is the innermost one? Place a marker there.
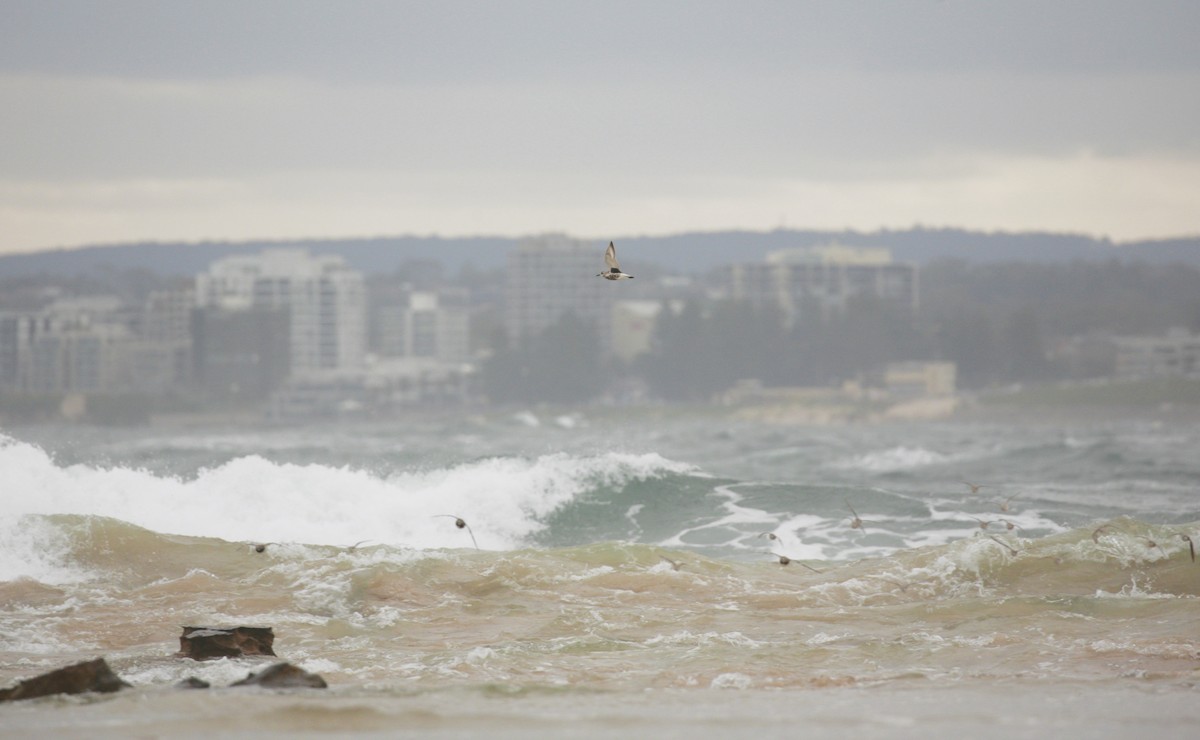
(657, 573)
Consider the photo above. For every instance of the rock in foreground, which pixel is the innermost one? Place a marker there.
(191, 682)
(93, 675)
(283, 676)
(206, 643)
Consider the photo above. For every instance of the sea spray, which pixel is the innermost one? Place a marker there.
(253, 499)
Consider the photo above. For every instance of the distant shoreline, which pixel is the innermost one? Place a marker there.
(1174, 399)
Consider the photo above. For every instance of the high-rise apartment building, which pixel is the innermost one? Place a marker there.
(71, 346)
(324, 299)
(824, 280)
(431, 324)
(549, 276)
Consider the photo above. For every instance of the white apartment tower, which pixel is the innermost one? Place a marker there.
(325, 300)
(824, 279)
(549, 276)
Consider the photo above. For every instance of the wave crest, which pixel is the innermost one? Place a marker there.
(504, 500)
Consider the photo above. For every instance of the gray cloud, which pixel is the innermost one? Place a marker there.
(548, 107)
(524, 39)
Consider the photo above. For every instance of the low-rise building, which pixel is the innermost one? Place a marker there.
(1175, 353)
(382, 387)
(920, 379)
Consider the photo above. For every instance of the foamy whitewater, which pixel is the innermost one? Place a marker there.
(628, 577)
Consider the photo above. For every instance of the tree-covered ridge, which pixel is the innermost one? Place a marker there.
(1067, 299)
(687, 253)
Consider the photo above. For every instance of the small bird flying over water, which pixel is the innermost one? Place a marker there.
(855, 522)
(614, 270)
(785, 560)
(1005, 545)
(1006, 503)
(675, 564)
(461, 524)
(1191, 545)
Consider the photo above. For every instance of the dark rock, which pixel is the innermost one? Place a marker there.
(283, 676)
(93, 675)
(191, 682)
(206, 643)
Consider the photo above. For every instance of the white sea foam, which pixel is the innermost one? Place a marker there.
(504, 500)
(528, 418)
(732, 681)
(893, 459)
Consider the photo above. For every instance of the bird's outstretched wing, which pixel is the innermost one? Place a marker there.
(610, 258)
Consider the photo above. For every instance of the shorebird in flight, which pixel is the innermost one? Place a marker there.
(461, 524)
(1005, 545)
(1006, 503)
(785, 560)
(675, 564)
(855, 522)
(614, 270)
(1191, 545)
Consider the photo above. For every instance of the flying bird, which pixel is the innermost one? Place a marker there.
(1191, 545)
(461, 524)
(1006, 503)
(785, 560)
(855, 522)
(675, 564)
(614, 270)
(1005, 545)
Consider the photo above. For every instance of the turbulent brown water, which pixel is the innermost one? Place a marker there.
(624, 581)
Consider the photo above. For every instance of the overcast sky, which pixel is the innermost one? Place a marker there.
(124, 120)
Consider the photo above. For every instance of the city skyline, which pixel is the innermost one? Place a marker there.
(135, 121)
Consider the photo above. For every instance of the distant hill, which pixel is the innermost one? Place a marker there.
(683, 253)
(372, 256)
